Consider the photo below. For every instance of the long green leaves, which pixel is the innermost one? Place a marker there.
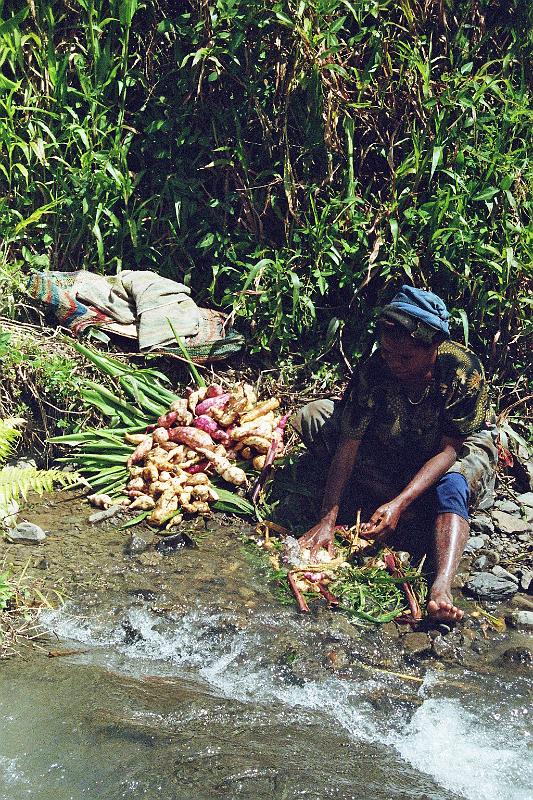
(292, 161)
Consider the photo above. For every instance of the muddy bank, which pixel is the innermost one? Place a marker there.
(103, 570)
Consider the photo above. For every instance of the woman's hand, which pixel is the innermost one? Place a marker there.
(383, 521)
(319, 537)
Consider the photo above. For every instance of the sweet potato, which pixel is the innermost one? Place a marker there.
(215, 390)
(194, 397)
(259, 443)
(210, 403)
(192, 438)
(198, 479)
(225, 416)
(142, 449)
(100, 500)
(135, 483)
(227, 471)
(160, 435)
(208, 424)
(260, 409)
(143, 503)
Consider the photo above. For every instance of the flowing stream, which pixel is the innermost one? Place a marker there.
(238, 699)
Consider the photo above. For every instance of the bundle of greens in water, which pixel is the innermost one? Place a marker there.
(375, 588)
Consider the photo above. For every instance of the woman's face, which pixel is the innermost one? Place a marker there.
(406, 359)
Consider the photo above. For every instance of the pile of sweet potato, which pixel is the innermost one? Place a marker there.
(201, 435)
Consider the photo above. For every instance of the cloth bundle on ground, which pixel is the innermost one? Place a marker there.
(138, 305)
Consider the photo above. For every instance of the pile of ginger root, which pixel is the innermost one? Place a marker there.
(201, 435)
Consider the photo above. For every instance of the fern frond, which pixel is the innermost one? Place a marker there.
(9, 434)
(16, 482)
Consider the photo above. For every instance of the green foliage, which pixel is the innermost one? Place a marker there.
(293, 161)
(9, 434)
(371, 595)
(16, 482)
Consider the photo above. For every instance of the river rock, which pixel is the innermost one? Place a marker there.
(510, 524)
(520, 619)
(416, 644)
(491, 586)
(516, 657)
(521, 601)
(500, 572)
(443, 648)
(508, 506)
(27, 532)
(136, 545)
(474, 543)
(526, 581)
(107, 513)
(485, 561)
(526, 499)
(482, 525)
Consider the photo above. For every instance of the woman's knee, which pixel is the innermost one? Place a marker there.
(452, 495)
(316, 424)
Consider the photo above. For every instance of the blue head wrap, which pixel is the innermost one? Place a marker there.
(422, 313)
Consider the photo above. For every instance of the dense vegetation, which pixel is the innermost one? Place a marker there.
(294, 161)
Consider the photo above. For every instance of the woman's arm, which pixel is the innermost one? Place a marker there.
(321, 534)
(386, 517)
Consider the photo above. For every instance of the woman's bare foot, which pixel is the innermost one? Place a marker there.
(441, 608)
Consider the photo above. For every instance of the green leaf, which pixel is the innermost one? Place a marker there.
(435, 159)
(487, 194)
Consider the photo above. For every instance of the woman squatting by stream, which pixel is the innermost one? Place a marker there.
(410, 442)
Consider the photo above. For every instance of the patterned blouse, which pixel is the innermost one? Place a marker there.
(402, 432)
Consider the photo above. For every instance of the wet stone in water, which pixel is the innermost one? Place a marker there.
(516, 657)
(27, 532)
(136, 545)
(416, 644)
(520, 619)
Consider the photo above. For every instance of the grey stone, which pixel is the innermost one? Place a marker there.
(526, 499)
(27, 532)
(500, 572)
(459, 580)
(149, 559)
(509, 524)
(107, 513)
(526, 580)
(488, 586)
(508, 506)
(520, 619)
(416, 643)
(485, 561)
(482, 525)
(474, 543)
(136, 545)
(521, 601)
(516, 657)
(443, 648)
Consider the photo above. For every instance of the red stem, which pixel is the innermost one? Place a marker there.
(275, 445)
(300, 599)
(332, 600)
(390, 563)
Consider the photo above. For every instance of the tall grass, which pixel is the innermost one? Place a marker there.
(295, 161)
